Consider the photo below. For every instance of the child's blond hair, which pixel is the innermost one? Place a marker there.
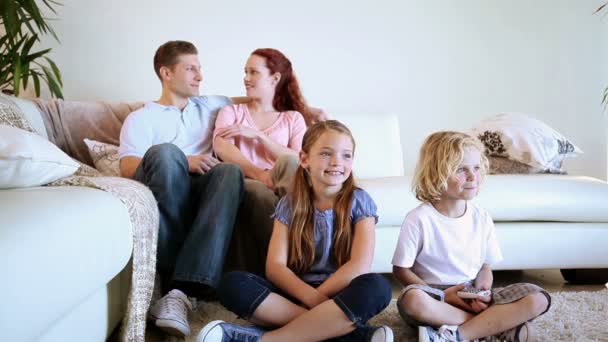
(440, 155)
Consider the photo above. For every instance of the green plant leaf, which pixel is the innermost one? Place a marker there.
(10, 18)
(36, 83)
(55, 69)
(54, 88)
(28, 45)
(37, 55)
(22, 22)
(16, 75)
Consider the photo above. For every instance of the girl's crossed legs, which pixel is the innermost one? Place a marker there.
(259, 301)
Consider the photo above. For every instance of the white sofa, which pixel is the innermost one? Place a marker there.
(64, 259)
(542, 220)
(65, 250)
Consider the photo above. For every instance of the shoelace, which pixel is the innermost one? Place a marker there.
(175, 304)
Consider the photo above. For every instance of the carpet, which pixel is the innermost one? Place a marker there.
(574, 316)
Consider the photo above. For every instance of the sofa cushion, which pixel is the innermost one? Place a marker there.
(27, 159)
(525, 139)
(375, 157)
(32, 115)
(529, 197)
(60, 245)
(105, 157)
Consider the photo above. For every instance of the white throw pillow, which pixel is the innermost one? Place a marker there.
(27, 159)
(526, 140)
(105, 157)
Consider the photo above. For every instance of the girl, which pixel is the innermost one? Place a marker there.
(264, 135)
(448, 243)
(317, 283)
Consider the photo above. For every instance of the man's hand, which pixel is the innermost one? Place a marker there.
(201, 163)
(238, 130)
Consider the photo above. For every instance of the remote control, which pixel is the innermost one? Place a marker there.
(473, 293)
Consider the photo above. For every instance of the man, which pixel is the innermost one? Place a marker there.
(167, 145)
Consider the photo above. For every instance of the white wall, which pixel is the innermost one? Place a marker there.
(438, 64)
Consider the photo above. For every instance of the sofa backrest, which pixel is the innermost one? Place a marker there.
(32, 115)
(68, 123)
(378, 146)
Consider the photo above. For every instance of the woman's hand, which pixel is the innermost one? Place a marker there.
(265, 177)
(238, 130)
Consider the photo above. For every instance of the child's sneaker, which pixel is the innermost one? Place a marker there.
(521, 333)
(445, 333)
(381, 334)
(170, 313)
(220, 331)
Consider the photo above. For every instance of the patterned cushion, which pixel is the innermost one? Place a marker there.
(11, 115)
(105, 157)
(526, 140)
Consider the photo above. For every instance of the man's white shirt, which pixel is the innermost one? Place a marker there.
(190, 129)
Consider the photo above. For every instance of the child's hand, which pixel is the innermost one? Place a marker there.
(451, 297)
(478, 305)
(315, 299)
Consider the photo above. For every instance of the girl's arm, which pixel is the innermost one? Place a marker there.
(406, 276)
(360, 262)
(280, 275)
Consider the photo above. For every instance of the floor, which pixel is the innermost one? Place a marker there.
(549, 279)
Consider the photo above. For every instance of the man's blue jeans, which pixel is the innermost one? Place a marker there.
(197, 215)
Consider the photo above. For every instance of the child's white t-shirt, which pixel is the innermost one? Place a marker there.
(443, 250)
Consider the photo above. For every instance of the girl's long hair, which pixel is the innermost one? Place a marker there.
(287, 94)
(301, 233)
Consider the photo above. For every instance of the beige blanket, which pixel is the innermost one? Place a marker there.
(59, 116)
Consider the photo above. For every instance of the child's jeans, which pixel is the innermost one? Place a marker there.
(365, 296)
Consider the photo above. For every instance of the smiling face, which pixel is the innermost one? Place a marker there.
(259, 82)
(464, 183)
(184, 77)
(329, 161)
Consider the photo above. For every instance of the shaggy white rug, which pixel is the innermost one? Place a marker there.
(574, 316)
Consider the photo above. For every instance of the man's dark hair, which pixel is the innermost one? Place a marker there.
(168, 53)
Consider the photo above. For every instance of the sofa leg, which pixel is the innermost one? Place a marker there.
(585, 276)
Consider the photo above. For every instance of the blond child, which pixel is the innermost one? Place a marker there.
(447, 245)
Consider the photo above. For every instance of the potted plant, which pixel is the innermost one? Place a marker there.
(21, 25)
